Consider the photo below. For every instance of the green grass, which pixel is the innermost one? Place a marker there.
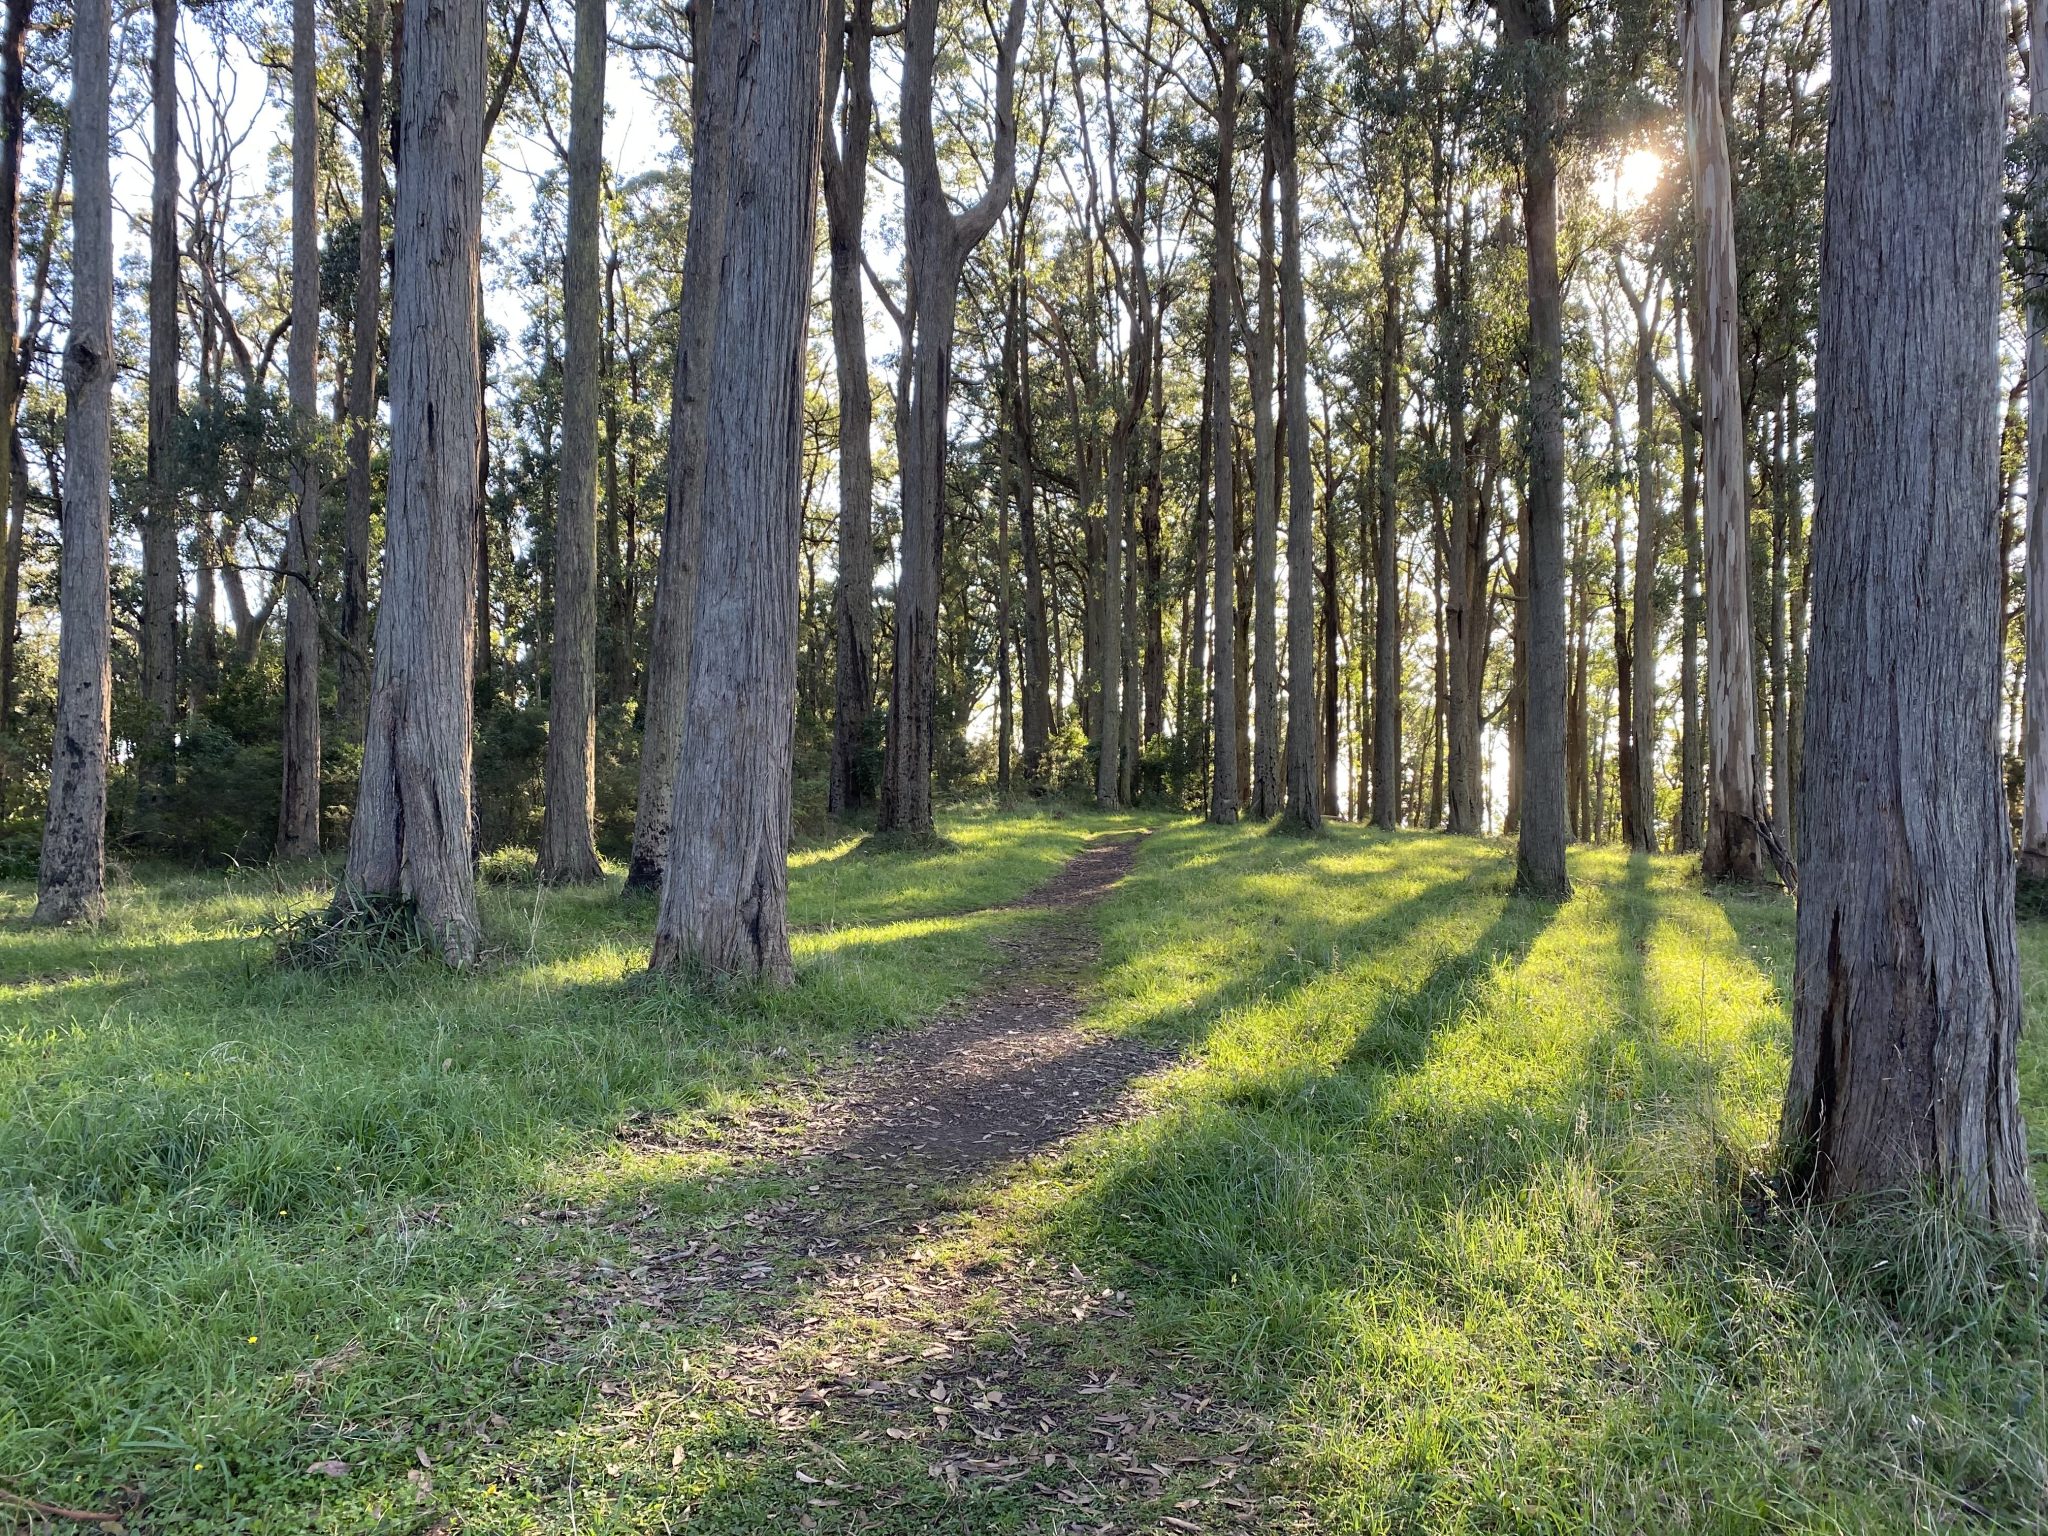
(1448, 1188)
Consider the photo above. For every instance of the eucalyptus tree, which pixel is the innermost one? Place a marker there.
(724, 901)
(71, 876)
(938, 242)
(1304, 807)
(298, 806)
(2034, 726)
(410, 840)
(160, 583)
(1906, 1012)
(352, 657)
(568, 840)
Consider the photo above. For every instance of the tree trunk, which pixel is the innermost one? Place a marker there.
(2034, 727)
(849, 46)
(1304, 753)
(938, 243)
(1464, 616)
(353, 660)
(1907, 1003)
(298, 806)
(1642, 785)
(1734, 848)
(412, 838)
(71, 878)
(568, 839)
(13, 490)
(1539, 857)
(1688, 835)
(160, 584)
(1386, 678)
(668, 660)
(724, 903)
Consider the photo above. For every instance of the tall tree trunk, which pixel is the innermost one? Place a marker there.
(298, 806)
(71, 877)
(1268, 786)
(1643, 615)
(674, 621)
(1689, 833)
(1465, 603)
(938, 243)
(1223, 778)
(160, 584)
(568, 838)
(1539, 33)
(724, 903)
(849, 46)
(1386, 674)
(1907, 1004)
(13, 352)
(412, 838)
(1037, 645)
(1331, 617)
(2034, 728)
(1734, 849)
(352, 681)
(1304, 753)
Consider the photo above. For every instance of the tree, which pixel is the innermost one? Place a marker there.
(668, 648)
(298, 807)
(353, 660)
(1536, 31)
(1304, 754)
(71, 878)
(1268, 787)
(724, 903)
(1226, 45)
(849, 50)
(2034, 737)
(1734, 847)
(411, 839)
(938, 242)
(1907, 1001)
(568, 843)
(160, 524)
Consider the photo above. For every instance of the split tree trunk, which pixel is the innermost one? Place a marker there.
(1734, 848)
(724, 905)
(353, 661)
(668, 659)
(71, 878)
(568, 838)
(1907, 1003)
(298, 806)
(412, 838)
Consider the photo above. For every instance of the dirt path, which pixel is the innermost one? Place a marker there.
(886, 1308)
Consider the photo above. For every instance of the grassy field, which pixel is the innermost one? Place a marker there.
(1445, 1192)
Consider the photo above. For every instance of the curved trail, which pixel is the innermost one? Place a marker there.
(889, 1308)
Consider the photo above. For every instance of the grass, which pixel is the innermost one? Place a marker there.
(1447, 1191)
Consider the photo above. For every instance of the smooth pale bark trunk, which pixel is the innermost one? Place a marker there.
(298, 807)
(1734, 847)
(1223, 794)
(1540, 850)
(160, 583)
(568, 837)
(1304, 806)
(1386, 678)
(71, 877)
(352, 680)
(412, 839)
(2034, 726)
(938, 243)
(1268, 787)
(669, 638)
(724, 903)
(1907, 998)
(849, 47)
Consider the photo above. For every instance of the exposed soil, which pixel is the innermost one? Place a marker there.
(849, 1308)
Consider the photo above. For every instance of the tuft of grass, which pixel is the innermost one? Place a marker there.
(355, 931)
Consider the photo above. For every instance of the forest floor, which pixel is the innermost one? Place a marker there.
(1098, 1174)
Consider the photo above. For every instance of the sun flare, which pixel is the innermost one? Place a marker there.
(1637, 175)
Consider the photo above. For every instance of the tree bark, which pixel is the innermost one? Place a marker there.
(352, 680)
(849, 47)
(71, 877)
(412, 838)
(938, 243)
(160, 582)
(1539, 34)
(1734, 849)
(1223, 794)
(1386, 680)
(2034, 723)
(298, 806)
(1304, 808)
(1465, 603)
(1268, 786)
(1907, 1001)
(568, 838)
(1639, 818)
(13, 492)
(1689, 834)
(724, 903)
(668, 659)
